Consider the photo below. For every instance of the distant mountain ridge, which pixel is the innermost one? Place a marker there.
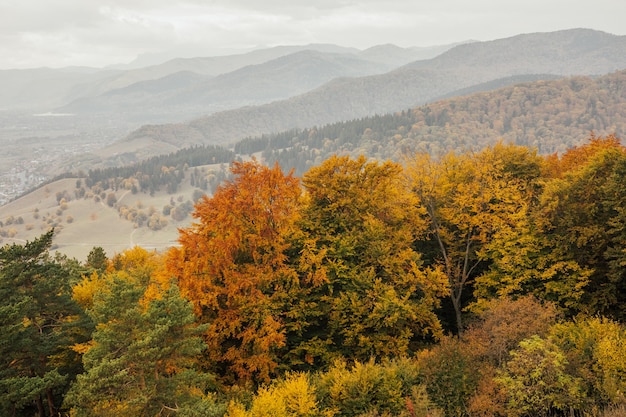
(185, 94)
(555, 54)
(46, 89)
(550, 116)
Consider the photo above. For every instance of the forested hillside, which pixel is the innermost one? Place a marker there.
(488, 282)
(550, 116)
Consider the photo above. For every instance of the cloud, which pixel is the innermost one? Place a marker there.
(96, 33)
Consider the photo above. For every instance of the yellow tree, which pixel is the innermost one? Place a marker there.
(373, 295)
(570, 250)
(232, 265)
(470, 199)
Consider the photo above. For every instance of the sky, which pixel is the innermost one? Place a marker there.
(58, 33)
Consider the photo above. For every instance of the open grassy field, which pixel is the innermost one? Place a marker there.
(82, 223)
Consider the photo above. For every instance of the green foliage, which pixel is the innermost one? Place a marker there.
(568, 249)
(582, 217)
(537, 382)
(449, 374)
(142, 362)
(164, 171)
(596, 352)
(39, 322)
(97, 259)
(358, 224)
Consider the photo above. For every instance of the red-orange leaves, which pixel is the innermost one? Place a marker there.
(232, 265)
(578, 156)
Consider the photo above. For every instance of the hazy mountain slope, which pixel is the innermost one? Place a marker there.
(142, 100)
(567, 52)
(211, 66)
(390, 55)
(43, 89)
(186, 94)
(578, 51)
(395, 56)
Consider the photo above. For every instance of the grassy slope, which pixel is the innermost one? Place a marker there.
(93, 223)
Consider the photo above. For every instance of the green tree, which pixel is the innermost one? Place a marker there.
(449, 373)
(39, 322)
(142, 359)
(583, 215)
(570, 248)
(97, 259)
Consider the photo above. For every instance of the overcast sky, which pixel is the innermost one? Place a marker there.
(58, 33)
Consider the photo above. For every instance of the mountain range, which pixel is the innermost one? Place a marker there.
(469, 66)
(92, 90)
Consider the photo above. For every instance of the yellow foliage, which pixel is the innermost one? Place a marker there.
(469, 199)
(135, 260)
(597, 348)
(84, 291)
(236, 409)
(289, 397)
(82, 348)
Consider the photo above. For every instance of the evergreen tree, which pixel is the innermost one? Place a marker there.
(38, 321)
(142, 359)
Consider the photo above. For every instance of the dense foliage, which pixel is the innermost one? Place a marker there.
(483, 283)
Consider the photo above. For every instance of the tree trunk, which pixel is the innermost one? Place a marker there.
(40, 409)
(51, 407)
(456, 303)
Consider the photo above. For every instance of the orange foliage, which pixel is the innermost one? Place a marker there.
(578, 156)
(232, 263)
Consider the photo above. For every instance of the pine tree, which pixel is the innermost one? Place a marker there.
(38, 321)
(142, 362)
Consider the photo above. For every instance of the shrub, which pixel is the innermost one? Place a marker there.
(292, 396)
(388, 388)
(449, 374)
(596, 351)
(536, 381)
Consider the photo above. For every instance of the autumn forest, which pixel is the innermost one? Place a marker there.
(484, 283)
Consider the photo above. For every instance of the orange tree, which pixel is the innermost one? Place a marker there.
(232, 265)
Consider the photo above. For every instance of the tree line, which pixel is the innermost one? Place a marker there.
(486, 283)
